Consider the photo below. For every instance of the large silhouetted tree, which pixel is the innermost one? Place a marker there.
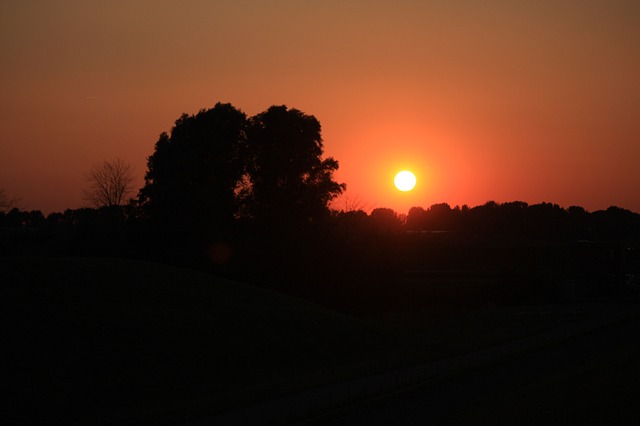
(110, 183)
(217, 166)
(290, 182)
(194, 172)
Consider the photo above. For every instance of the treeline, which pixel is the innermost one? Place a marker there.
(359, 262)
(127, 230)
(515, 219)
(249, 198)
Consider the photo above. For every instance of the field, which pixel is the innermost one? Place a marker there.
(101, 340)
(111, 341)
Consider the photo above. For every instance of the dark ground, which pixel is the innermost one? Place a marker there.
(112, 341)
(593, 379)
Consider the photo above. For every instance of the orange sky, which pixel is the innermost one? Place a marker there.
(495, 100)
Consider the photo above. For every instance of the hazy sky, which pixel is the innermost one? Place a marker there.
(483, 100)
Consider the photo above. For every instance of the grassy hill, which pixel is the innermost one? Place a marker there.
(101, 341)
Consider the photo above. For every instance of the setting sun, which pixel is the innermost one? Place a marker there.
(405, 180)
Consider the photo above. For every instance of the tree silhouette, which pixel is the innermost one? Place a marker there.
(194, 173)
(353, 204)
(6, 201)
(385, 220)
(110, 183)
(440, 217)
(289, 181)
(417, 219)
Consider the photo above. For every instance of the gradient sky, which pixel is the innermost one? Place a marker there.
(482, 100)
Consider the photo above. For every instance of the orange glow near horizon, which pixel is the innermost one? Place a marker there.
(482, 101)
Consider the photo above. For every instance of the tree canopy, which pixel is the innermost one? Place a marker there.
(194, 171)
(218, 165)
(289, 179)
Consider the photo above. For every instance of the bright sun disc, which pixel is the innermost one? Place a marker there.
(405, 180)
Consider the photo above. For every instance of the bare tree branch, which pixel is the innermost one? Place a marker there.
(7, 202)
(110, 183)
(352, 204)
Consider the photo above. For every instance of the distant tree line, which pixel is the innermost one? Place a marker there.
(126, 228)
(249, 198)
(516, 219)
(358, 262)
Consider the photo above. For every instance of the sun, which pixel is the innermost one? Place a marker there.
(405, 180)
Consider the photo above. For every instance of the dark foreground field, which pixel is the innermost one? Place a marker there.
(590, 379)
(108, 341)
